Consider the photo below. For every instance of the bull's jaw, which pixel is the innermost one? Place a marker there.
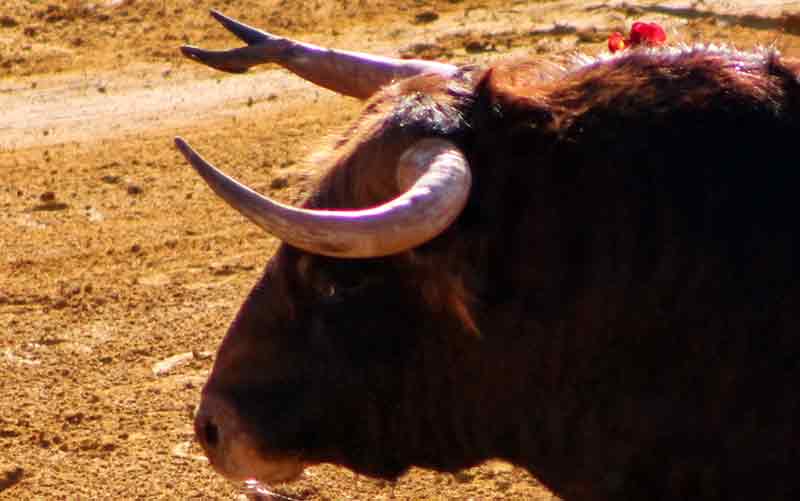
(231, 448)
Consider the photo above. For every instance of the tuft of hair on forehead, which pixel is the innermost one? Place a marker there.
(361, 164)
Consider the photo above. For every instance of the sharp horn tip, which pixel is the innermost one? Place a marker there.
(190, 51)
(182, 145)
(219, 16)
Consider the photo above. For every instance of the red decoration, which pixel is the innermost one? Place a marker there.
(616, 42)
(650, 34)
(647, 33)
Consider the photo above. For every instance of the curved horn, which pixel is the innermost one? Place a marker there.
(433, 175)
(350, 73)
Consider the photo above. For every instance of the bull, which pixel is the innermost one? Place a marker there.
(590, 272)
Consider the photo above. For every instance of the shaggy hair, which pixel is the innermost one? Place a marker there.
(695, 120)
(615, 309)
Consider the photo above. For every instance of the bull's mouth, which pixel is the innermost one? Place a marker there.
(243, 463)
(281, 475)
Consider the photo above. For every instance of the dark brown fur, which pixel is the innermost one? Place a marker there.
(616, 309)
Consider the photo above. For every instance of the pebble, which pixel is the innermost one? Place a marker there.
(10, 475)
(279, 183)
(8, 22)
(167, 365)
(181, 450)
(110, 179)
(49, 203)
(94, 215)
(428, 16)
(50, 206)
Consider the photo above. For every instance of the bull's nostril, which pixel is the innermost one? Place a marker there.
(210, 434)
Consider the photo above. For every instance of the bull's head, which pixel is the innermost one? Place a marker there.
(297, 376)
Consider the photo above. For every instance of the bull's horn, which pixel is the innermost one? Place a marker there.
(433, 176)
(349, 73)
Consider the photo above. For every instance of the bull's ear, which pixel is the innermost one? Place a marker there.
(433, 178)
(350, 73)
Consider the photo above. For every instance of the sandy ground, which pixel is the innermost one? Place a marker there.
(114, 257)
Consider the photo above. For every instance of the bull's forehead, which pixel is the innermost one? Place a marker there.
(754, 58)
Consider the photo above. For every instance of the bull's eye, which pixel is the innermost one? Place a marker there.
(335, 290)
(328, 291)
(333, 280)
(324, 289)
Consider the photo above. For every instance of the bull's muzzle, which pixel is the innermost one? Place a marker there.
(230, 445)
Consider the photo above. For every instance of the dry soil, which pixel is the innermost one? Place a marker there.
(119, 270)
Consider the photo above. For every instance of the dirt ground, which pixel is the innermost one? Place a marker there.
(120, 271)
